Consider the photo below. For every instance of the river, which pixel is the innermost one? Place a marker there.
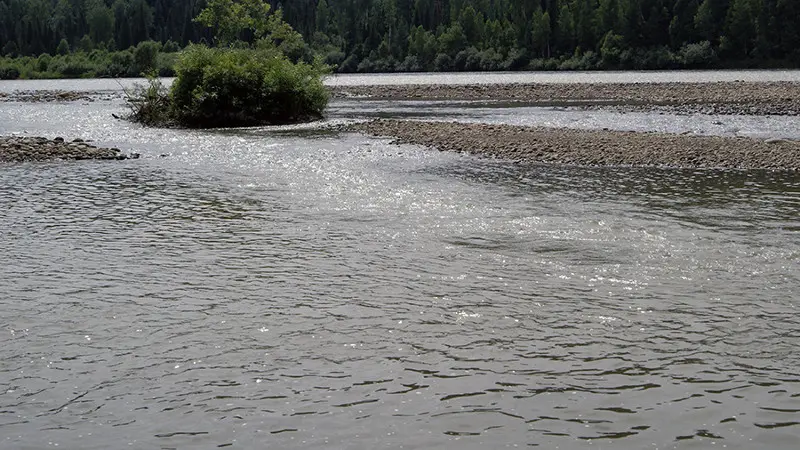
(656, 76)
(297, 288)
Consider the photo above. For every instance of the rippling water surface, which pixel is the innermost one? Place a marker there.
(301, 289)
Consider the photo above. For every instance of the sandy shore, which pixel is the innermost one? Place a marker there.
(24, 149)
(752, 98)
(591, 147)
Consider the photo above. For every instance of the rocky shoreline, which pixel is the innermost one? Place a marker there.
(590, 147)
(745, 98)
(25, 149)
(720, 98)
(49, 96)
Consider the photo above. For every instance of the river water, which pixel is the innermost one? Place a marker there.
(671, 76)
(295, 288)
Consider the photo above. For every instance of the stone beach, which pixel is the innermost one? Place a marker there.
(590, 147)
(25, 149)
(750, 98)
(48, 96)
(529, 144)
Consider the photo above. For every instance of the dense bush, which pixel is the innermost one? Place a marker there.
(8, 72)
(150, 104)
(133, 62)
(257, 75)
(145, 56)
(443, 63)
(410, 64)
(699, 55)
(244, 87)
(63, 47)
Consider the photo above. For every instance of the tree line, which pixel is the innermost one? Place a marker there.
(424, 35)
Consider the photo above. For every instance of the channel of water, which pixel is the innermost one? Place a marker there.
(298, 288)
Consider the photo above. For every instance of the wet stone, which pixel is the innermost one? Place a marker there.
(591, 147)
(24, 149)
(728, 98)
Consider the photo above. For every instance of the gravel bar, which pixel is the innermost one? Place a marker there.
(25, 149)
(55, 96)
(591, 147)
(747, 98)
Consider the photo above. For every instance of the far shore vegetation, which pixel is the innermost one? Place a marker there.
(126, 38)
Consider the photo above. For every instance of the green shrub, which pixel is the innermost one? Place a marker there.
(43, 62)
(350, 64)
(515, 60)
(410, 64)
(586, 61)
(611, 50)
(698, 55)
(9, 49)
(145, 56)
(74, 66)
(490, 59)
(9, 73)
(171, 47)
(86, 44)
(443, 63)
(244, 87)
(242, 83)
(150, 104)
(467, 60)
(654, 58)
(166, 63)
(334, 58)
(543, 64)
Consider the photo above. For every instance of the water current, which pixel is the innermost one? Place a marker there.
(295, 288)
(679, 76)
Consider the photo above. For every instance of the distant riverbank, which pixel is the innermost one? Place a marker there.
(591, 147)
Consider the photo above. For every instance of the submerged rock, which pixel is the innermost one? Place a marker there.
(22, 149)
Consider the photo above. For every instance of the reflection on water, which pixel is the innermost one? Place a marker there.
(319, 291)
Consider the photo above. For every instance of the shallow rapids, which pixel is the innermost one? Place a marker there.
(307, 289)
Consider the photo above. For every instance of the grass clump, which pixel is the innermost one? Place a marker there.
(150, 104)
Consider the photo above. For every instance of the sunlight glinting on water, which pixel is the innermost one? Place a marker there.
(308, 289)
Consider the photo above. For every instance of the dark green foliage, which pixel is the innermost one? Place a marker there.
(443, 63)
(381, 35)
(244, 87)
(170, 47)
(698, 56)
(96, 63)
(63, 47)
(239, 83)
(8, 72)
(145, 56)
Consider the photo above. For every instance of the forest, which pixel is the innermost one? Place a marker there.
(52, 38)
